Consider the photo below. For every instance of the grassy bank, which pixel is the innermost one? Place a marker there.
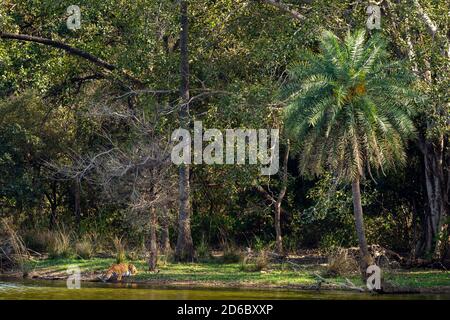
(233, 275)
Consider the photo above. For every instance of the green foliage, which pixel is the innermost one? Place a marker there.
(350, 105)
(16, 176)
(332, 213)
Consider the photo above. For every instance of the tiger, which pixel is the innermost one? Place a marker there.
(120, 270)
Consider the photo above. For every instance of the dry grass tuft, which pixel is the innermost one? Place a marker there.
(341, 262)
(84, 248)
(119, 249)
(256, 261)
(60, 244)
(13, 252)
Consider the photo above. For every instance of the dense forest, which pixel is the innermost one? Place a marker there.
(87, 114)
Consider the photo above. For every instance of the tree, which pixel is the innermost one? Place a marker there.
(165, 237)
(429, 60)
(277, 220)
(351, 111)
(277, 200)
(185, 248)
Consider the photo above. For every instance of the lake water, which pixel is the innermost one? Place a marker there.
(57, 290)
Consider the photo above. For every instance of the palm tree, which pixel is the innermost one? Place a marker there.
(350, 109)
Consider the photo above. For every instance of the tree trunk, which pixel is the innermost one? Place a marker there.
(52, 220)
(437, 198)
(279, 239)
(77, 207)
(437, 175)
(365, 259)
(185, 248)
(165, 237)
(53, 200)
(153, 259)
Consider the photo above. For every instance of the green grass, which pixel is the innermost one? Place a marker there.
(61, 264)
(211, 273)
(420, 278)
(411, 278)
(228, 273)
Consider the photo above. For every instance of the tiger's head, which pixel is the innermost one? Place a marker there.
(132, 269)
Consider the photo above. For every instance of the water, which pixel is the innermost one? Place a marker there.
(51, 290)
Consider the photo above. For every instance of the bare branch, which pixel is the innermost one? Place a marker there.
(284, 7)
(60, 45)
(268, 197)
(432, 28)
(69, 49)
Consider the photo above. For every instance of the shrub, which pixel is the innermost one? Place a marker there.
(203, 251)
(60, 245)
(232, 254)
(38, 240)
(340, 262)
(256, 262)
(84, 248)
(119, 250)
(13, 252)
(96, 241)
(167, 257)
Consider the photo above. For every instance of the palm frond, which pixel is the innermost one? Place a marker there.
(349, 107)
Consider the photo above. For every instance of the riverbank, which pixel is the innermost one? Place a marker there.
(232, 275)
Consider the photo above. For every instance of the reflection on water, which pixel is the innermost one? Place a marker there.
(48, 290)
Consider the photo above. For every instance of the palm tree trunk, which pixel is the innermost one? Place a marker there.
(185, 248)
(365, 259)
